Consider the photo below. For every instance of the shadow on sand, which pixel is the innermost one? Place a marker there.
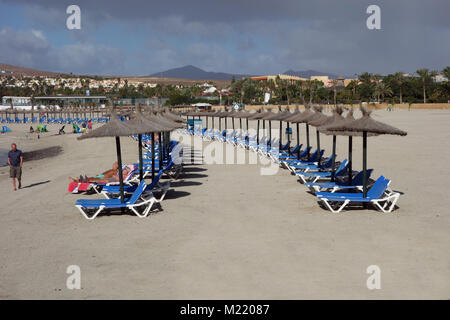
(36, 184)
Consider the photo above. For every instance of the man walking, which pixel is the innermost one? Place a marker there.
(15, 160)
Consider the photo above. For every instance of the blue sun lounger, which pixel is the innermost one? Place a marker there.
(294, 158)
(310, 167)
(313, 160)
(155, 186)
(90, 208)
(379, 195)
(321, 175)
(357, 183)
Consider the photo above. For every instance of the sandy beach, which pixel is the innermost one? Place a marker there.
(228, 232)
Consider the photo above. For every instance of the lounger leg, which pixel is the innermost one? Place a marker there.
(392, 199)
(301, 178)
(100, 209)
(331, 208)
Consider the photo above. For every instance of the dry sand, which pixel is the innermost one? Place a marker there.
(225, 231)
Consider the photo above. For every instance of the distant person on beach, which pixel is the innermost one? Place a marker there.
(31, 129)
(89, 125)
(108, 176)
(15, 160)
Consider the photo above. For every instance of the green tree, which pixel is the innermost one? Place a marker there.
(426, 77)
(446, 73)
(399, 79)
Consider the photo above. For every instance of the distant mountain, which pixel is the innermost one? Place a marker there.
(7, 69)
(309, 73)
(192, 72)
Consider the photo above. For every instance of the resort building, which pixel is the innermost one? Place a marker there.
(16, 101)
(281, 76)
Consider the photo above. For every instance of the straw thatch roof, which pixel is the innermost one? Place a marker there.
(308, 115)
(348, 118)
(367, 124)
(158, 117)
(302, 116)
(223, 114)
(294, 115)
(114, 128)
(258, 115)
(170, 115)
(242, 114)
(269, 115)
(321, 121)
(147, 125)
(282, 115)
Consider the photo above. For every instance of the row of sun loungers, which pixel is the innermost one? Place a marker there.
(53, 120)
(326, 181)
(139, 196)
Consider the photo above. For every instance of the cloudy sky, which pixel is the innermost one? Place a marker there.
(237, 36)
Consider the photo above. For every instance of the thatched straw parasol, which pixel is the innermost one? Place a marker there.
(243, 115)
(366, 124)
(258, 115)
(269, 115)
(114, 128)
(317, 119)
(172, 116)
(150, 126)
(340, 121)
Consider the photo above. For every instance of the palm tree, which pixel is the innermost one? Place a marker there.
(334, 83)
(446, 73)
(425, 76)
(400, 80)
(353, 85)
(365, 78)
(382, 89)
(376, 78)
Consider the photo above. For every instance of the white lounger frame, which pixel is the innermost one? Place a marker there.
(148, 202)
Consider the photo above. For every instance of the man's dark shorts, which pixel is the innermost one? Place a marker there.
(15, 172)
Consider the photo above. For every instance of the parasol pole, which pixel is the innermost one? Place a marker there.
(153, 156)
(318, 146)
(307, 140)
(119, 161)
(350, 151)
(364, 164)
(141, 162)
(298, 142)
(281, 136)
(333, 172)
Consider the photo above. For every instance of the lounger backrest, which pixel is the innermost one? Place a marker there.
(315, 156)
(138, 192)
(378, 188)
(328, 163)
(305, 152)
(155, 180)
(169, 165)
(342, 167)
(358, 178)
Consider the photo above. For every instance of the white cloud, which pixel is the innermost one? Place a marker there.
(30, 48)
